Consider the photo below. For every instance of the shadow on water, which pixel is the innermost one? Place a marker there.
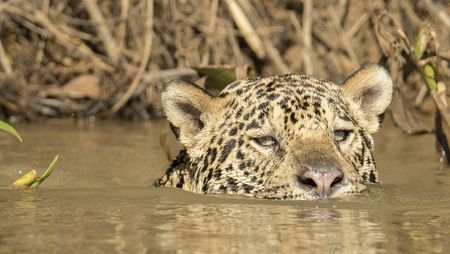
(100, 200)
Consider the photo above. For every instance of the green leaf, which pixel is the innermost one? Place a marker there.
(421, 44)
(218, 76)
(430, 77)
(9, 129)
(46, 174)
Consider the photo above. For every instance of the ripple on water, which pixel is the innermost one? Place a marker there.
(99, 199)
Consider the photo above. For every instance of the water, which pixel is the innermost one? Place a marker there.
(100, 200)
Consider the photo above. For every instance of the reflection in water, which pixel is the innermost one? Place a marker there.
(424, 232)
(267, 229)
(127, 223)
(99, 200)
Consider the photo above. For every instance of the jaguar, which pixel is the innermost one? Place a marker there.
(295, 136)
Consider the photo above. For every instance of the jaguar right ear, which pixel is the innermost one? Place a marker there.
(187, 107)
(370, 88)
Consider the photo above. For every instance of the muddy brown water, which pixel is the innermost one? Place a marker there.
(100, 200)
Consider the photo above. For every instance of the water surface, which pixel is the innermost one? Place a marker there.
(100, 200)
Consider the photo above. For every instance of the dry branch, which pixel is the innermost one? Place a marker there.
(143, 65)
(4, 60)
(438, 12)
(49, 43)
(307, 40)
(345, 40)
(247, 30)
(100, 24)
(357, 25)
(121, 30)
(69, 41)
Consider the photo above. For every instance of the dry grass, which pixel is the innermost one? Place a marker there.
(134, 47)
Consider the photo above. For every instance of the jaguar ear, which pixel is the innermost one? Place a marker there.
(370, 88)
(186, 106)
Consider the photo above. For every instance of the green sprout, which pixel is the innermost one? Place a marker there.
(30, 179)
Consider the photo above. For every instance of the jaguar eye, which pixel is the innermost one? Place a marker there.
(266, 141)
(341, 135)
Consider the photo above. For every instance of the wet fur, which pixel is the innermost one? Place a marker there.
(301, 112)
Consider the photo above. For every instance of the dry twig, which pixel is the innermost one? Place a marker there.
(439, 12)
(121, 30)
(344, 39)
(4, 60)
(143, 65)
(357, 25)
(100, 24)
(247, 30)
(68, 41)
(307, 41)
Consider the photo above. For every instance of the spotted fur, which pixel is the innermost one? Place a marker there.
(259, 134)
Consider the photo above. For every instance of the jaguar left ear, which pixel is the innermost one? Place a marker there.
(370, 88)
(188, 108)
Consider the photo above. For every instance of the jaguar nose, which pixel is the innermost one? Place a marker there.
(321, 181)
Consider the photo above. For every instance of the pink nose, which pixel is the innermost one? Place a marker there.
(321, 182)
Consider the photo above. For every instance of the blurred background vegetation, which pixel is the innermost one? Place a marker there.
(98, 58)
